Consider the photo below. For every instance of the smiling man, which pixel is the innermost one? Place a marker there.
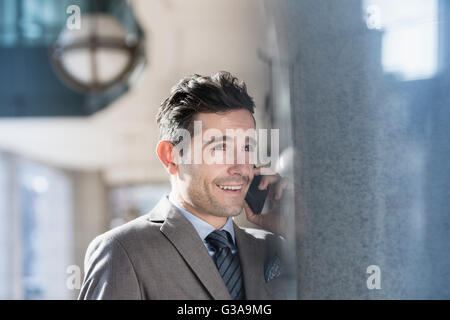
(188, 246)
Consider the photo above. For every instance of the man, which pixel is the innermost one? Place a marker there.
(188, 246)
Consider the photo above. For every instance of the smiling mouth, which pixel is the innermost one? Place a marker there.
(231, 189)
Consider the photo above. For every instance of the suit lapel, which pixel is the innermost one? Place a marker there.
(251, 255)
(182, 234)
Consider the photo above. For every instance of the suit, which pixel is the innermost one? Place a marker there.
(161, 256)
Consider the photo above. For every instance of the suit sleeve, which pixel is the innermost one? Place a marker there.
(109, 273)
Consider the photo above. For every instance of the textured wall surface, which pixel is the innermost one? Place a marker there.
(372, 160)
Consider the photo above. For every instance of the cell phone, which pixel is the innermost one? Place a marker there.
(256, 198)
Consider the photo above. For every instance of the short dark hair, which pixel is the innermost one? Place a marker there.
(220, 92)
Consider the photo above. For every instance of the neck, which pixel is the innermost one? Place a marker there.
(215, 221)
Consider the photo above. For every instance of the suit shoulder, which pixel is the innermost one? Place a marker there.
(137, 230)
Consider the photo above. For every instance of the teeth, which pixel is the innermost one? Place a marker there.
(231, 187)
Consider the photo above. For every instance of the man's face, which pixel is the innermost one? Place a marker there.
(219, 188)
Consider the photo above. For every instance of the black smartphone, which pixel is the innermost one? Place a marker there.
(255, 198)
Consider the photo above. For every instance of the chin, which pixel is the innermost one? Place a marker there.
(229, 211)
(235, 212)
(227, 207)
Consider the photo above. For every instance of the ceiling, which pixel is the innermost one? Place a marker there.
(183, 37)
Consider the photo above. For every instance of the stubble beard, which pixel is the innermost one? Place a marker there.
(206, 201)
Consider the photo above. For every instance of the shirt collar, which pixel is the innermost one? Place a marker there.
(202, 227)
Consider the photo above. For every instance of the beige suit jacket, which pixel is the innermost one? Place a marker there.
(161, 256)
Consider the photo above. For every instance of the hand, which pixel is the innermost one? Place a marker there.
(271, 220)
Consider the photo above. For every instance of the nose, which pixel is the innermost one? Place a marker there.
(244, 170)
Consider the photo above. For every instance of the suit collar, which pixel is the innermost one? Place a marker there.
(186, 240)
(202, 227)
(160, 211)
(181, 233)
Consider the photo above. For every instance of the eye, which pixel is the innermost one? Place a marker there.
(220, 147)
(249, 148)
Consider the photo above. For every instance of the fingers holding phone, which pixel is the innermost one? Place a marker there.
(262, 187)
(274, 182)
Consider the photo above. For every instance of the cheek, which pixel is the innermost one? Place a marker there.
(201, 175)
(190, 170)
(210, 174)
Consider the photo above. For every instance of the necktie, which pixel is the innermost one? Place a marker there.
(227, 263)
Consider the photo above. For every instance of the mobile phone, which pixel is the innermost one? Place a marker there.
(256, 198)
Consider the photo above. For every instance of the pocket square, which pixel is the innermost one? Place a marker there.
(272, 268)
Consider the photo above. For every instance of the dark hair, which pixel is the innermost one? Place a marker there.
(221, 92)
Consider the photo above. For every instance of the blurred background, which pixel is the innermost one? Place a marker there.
(358, 89)
(77, 117)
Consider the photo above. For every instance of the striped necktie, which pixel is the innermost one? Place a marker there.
(227, 263)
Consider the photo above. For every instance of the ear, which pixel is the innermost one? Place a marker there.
(164, 152)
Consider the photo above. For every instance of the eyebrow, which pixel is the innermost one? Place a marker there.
(225, 138)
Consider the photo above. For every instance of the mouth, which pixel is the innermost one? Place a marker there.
(231, 189)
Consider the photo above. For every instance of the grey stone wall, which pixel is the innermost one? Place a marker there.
(372, 161)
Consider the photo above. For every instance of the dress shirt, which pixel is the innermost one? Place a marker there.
(203, 228)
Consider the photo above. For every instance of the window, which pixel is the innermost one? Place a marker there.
(36, 230)
(410, 36)
(4, 227)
